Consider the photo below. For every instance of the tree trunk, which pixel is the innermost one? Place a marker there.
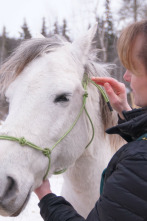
(135, 10)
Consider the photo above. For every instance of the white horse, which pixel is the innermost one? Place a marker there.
(43, 83)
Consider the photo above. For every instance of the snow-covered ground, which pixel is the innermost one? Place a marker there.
(31, 212)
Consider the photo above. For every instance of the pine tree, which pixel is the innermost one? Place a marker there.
(64, 30)
(109, 32)
(56, 28)
(4, 48)
(43, 31)
(26, 33)
(105, 37)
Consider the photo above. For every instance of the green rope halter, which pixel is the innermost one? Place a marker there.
(47, 151)
(102, 92)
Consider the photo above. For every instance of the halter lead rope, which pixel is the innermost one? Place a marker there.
(47, 151)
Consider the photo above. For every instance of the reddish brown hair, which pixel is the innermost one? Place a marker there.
(126, 41)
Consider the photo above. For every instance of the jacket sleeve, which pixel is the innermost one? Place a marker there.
(56, 208)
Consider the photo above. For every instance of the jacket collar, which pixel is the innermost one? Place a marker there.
(134, 125)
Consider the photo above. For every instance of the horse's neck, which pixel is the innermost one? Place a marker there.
(88, 168)
(82, 180)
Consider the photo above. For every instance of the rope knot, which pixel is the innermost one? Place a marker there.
(22, 141)
(86, 94)
(46, 152)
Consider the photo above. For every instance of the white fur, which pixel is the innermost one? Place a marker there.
(34, 115)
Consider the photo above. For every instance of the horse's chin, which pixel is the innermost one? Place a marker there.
(22, 207)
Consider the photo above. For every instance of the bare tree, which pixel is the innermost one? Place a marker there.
(105, 37)
(133, 10)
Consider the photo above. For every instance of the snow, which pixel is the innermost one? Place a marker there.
(32, 212)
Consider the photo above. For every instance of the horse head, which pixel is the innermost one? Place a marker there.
(46, 129)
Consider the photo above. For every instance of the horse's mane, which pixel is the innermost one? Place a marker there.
(109, 119)
(26, 52)
(101, 70)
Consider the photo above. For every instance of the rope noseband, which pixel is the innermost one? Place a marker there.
(47, 151)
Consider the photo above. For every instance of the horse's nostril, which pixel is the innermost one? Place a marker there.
(11, 187)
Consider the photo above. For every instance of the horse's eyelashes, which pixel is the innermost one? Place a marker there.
(62, 98)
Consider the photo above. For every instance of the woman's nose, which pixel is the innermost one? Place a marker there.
(127, 76)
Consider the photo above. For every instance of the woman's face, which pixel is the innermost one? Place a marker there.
(138, 80)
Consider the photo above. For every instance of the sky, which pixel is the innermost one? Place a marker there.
(78, 14)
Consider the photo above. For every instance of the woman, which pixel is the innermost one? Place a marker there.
(124, 196)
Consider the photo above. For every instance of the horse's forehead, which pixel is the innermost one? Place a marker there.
(57, 68)
(57, 65)
(63, 58)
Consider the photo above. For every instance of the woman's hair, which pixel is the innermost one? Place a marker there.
(126, 41)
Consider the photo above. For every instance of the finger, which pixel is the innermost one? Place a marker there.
(99, 83)
(103, 80)
(113, 97)
(117, 86)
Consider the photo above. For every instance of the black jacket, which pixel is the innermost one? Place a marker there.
(124, 196)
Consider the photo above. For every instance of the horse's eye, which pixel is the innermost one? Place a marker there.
(61, 98)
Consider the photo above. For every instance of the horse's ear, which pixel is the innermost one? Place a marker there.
(83, 45)
(38, 35)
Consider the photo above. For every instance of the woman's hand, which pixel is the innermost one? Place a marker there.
(43, 190)
(116, 92)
